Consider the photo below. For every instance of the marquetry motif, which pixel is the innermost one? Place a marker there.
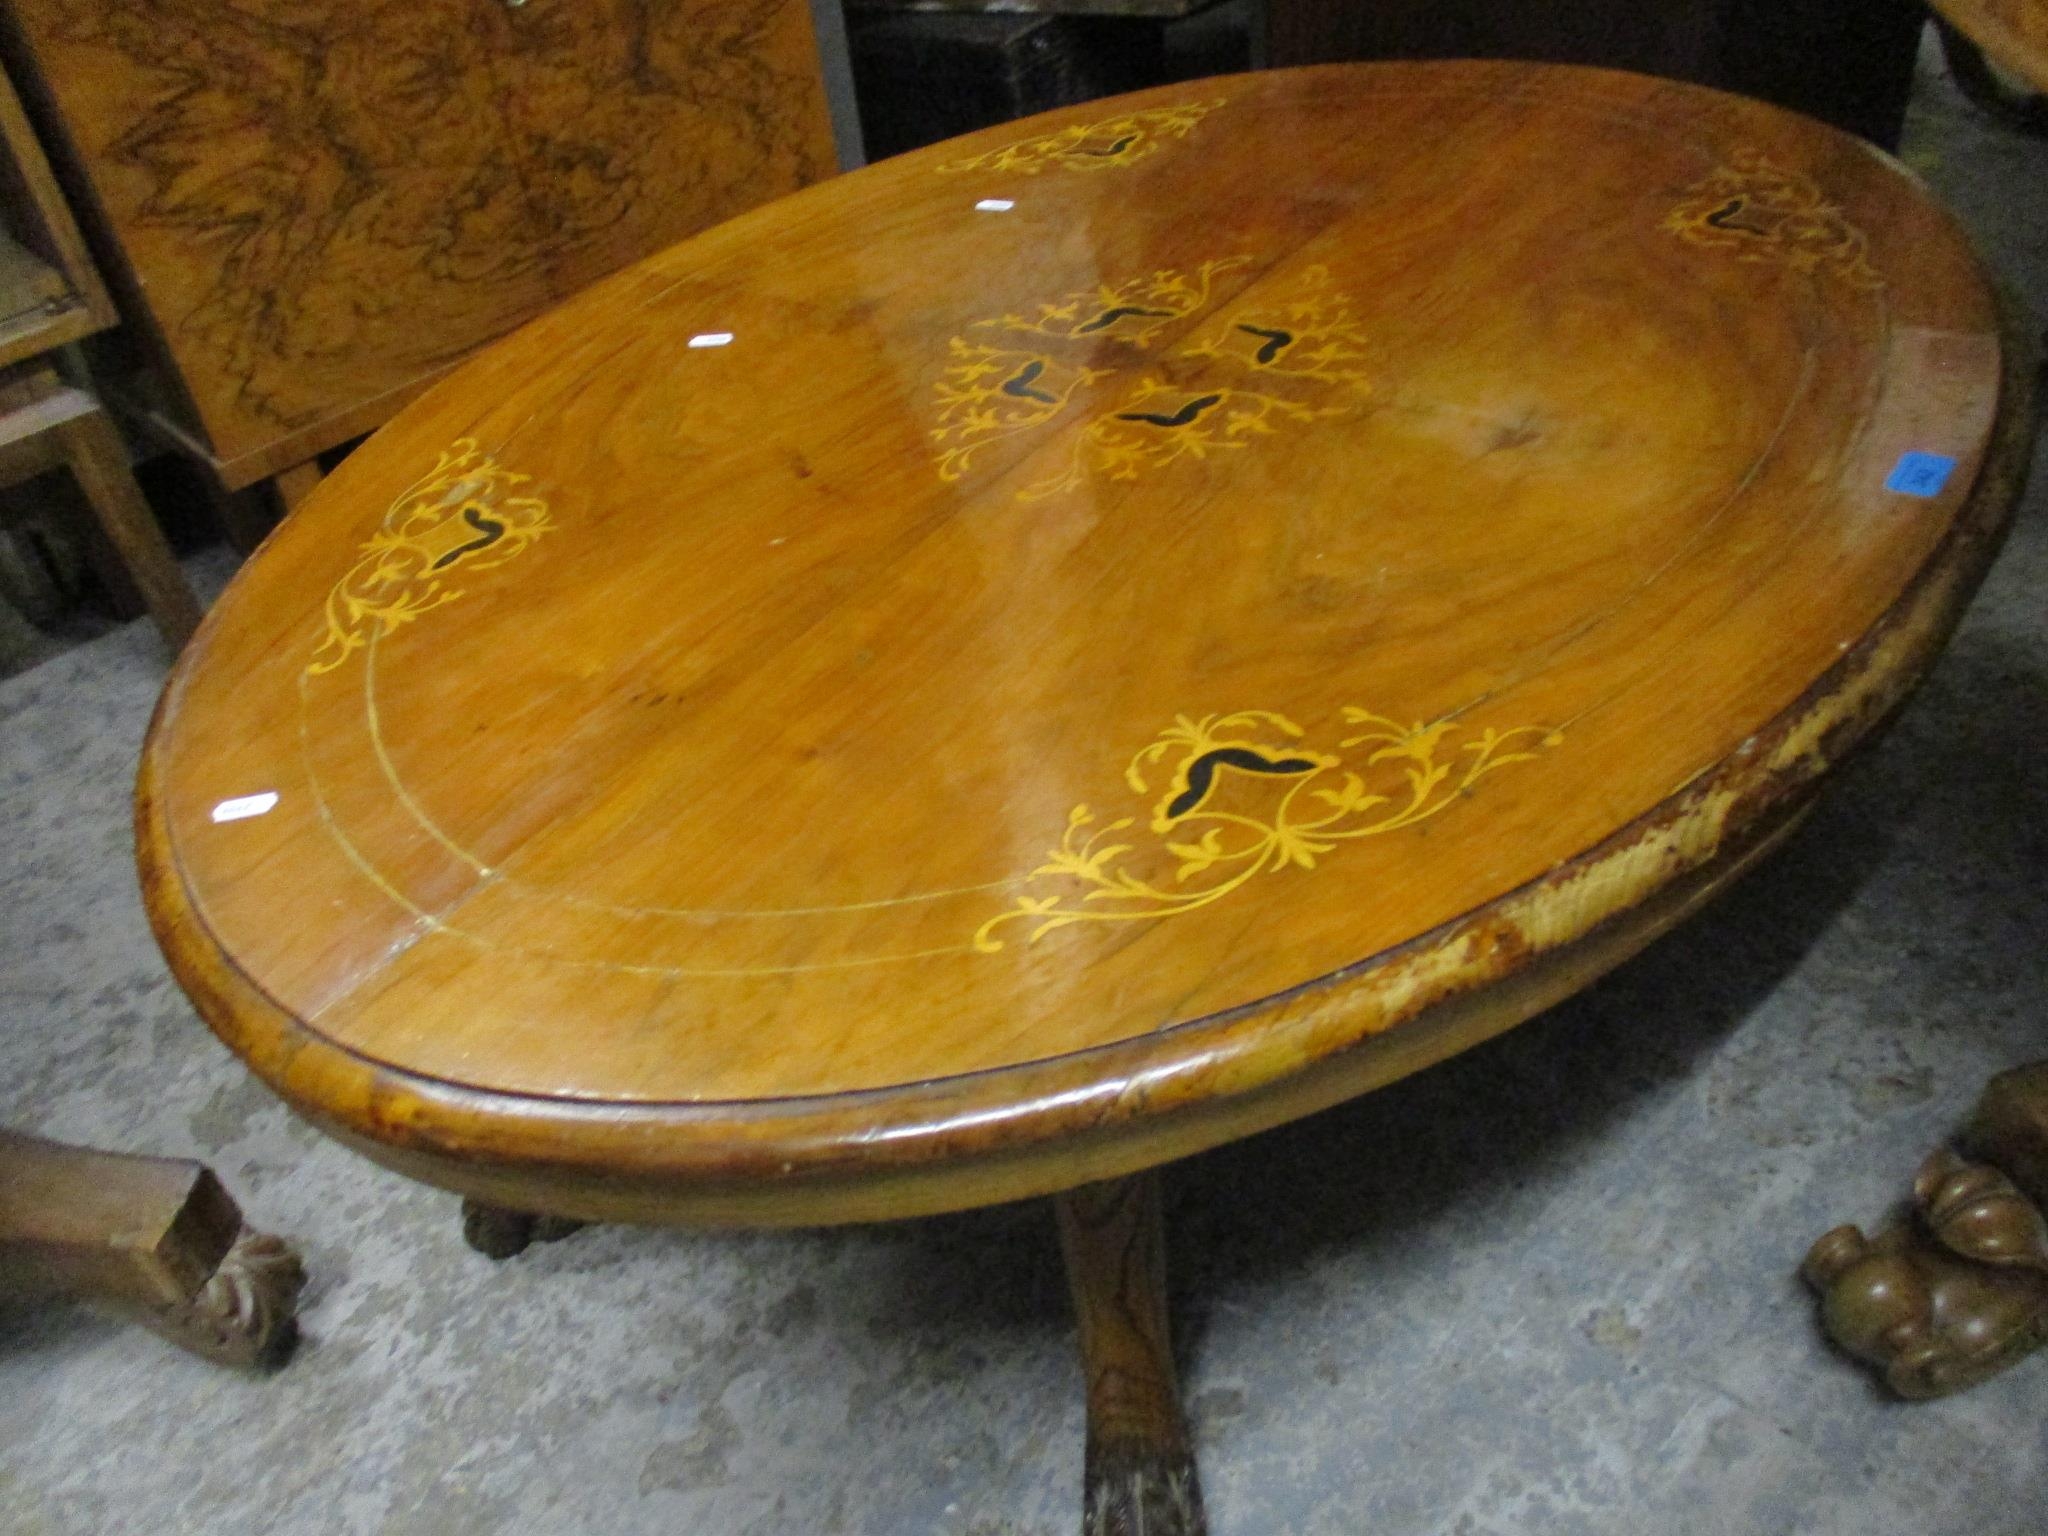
(1159, 423)
(989, 393)
(1004, 377)
(461, 518)
(1306, 331)
(1293, 357)
(1105, 145)
(1237, 796)
(1763, 213)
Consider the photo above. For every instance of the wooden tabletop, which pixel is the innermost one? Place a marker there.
(1065, 646)
(2014, 33)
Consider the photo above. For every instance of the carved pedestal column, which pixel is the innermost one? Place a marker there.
(1140, 1477)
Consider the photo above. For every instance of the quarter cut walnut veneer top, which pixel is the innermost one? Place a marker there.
(1127, 613)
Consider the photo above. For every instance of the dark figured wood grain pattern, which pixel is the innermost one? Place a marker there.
(322, 203)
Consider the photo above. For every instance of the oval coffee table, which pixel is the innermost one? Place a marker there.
(1076, 645)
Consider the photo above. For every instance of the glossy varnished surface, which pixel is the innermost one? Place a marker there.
(1335, 539)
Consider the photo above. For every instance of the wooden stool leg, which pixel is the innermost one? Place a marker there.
(1140, 1474)
(497, 1232)
(294, 485)
(154, 1238)
(1959, 1291)
(99, 461)
(245, 516)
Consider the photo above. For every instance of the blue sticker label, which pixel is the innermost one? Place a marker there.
(1920, 474)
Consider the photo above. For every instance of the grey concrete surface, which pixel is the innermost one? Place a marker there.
(1546, 1289)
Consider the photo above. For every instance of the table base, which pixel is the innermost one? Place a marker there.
(497, 1232)
(1958, 1291)
(1949, 1297)
(1140, 1470)
(1140, 1473)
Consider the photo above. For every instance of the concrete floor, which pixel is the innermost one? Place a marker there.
(1546, 1288)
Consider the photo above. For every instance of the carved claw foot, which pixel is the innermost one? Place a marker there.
(245, 1314)
(498, 1233)
(156, 1239)
(1948, 1298)
(1136, 1495)
(1140, 1478)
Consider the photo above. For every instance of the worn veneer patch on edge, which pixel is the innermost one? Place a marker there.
(1940, 392)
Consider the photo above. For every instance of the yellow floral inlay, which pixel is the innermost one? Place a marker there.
(1114, 141)
(1003, 378)
(461, 516)
(1285, 807)
(1296, 355)
(1305, 330)
(1763, 213)
(1159, 423)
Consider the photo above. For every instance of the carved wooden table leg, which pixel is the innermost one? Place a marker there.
(154, 1238)
(1959, 1291)
(1140, 1477)
(497, 1232)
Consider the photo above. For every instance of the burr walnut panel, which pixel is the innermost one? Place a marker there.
(322, 204)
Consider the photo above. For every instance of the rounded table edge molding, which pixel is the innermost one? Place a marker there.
(1048, 1125)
